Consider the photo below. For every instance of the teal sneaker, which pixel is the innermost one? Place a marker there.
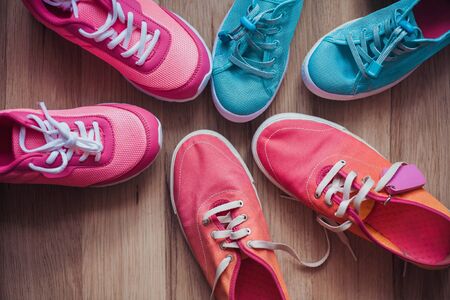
(369, 55)
(251, 54)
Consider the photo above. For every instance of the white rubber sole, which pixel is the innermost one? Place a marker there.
(228, 114)
(204, 82)
(294, 116)
(323, 94)
(160, 142)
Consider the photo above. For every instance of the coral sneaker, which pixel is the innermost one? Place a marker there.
(352, 186)
(213, 195)
(86, 146)
(154, 49)
(251, 55)
(369, 55)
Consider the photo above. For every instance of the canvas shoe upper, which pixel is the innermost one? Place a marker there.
(369, 55)
(86, 146)
(154, 49)
(214, 198)
(353, 187)
(251, 54)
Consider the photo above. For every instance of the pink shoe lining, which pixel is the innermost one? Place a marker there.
(418, 233)
(254, 282)
(432, 16)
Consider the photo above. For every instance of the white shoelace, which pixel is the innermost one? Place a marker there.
(234, 236)
(61, 141)
(339, 185)
(143, 47)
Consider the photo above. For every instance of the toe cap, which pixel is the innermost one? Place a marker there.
(332, 69)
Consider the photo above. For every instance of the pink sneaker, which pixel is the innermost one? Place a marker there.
(154, 49)
(86, 146)
(353, 187)
(213, 195)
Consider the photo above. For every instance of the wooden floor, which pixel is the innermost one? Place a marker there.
(124, 242)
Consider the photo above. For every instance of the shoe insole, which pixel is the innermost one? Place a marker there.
(417, 232)
(433, 17)
(255, 282)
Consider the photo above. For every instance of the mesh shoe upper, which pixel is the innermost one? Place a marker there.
(175, 68)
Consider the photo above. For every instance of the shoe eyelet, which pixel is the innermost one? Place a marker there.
(245, 217)
(206, 222)
(230, 256)
(212, 233)
(241, 203)
(221, 245)
(249, 244)
(329, 204)
(249, 231)
(387, 200)
(342, 161)
(277, 43)
(316, 195)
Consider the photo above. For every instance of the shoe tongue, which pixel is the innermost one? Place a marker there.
(94, 14)
(90, 12)
(263, 6)
(33, 139)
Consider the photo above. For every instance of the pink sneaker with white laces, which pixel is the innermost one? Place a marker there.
(87, 146)
(154, 49)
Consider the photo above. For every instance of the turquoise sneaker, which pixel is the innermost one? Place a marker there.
(251, 54)
(367, 56)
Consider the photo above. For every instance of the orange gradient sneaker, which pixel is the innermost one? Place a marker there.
(353, 187)
(214, 198)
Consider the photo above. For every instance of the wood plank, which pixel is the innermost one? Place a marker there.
(184, 279)
(358, 117)
(3, 70)
(124, 242)
(41, 226)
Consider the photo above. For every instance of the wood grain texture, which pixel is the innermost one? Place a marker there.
(124, 242)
